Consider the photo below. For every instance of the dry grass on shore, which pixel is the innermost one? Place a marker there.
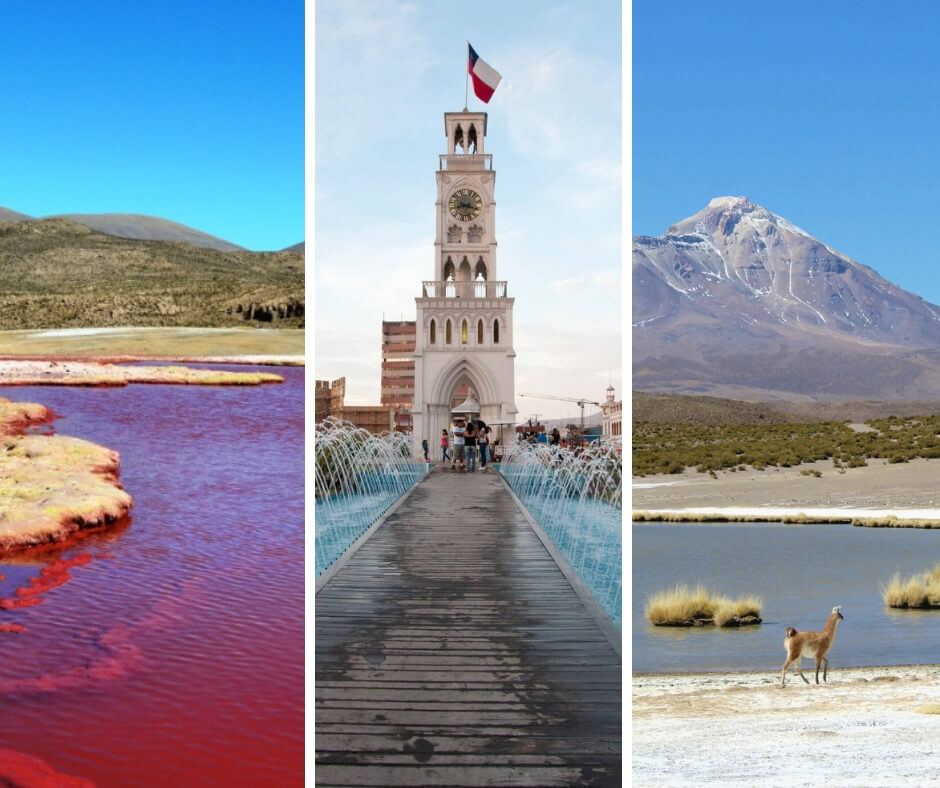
(158, 342)
(90, 373)
(685, 606)
(919, 592)
(52, 486)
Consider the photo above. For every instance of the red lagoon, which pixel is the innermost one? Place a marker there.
(167, 650)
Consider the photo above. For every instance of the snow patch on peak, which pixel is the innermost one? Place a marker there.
(730, 203)
(785, 225)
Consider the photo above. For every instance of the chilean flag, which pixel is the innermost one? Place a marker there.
(485, 77)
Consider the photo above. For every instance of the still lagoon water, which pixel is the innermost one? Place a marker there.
(175, 653)
(801, 572)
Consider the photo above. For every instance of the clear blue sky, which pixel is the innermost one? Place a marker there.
(386, 72)
(827, 114)
(190, 110)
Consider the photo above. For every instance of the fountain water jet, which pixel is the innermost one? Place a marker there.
(359, 475)
(576, 497)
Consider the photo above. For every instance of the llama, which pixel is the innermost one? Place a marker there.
(810, 644)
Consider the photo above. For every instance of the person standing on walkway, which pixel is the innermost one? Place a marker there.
(424, 445)
(458, 461)
(556, 437)
(444, 444)
(484, 440)
(470, 446)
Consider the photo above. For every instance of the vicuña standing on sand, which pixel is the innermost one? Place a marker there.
(810, 644)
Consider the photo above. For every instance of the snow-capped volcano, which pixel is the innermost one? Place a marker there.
(737, 279)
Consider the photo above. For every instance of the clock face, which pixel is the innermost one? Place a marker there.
(465, 204)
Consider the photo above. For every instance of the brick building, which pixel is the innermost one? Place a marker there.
(329, 401)
(398, 369)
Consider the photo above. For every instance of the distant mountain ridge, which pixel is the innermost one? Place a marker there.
(6, 215)
(149, 228)
(140, 227)
(736, 301)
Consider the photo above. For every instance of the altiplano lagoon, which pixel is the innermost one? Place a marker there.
(168, 650)
(709, 702)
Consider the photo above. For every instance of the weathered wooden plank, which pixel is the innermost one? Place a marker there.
(494, 738)
(437, 687)
(419, 776)
(378, 695)
(377, 739)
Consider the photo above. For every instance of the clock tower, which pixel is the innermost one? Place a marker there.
(464, 314)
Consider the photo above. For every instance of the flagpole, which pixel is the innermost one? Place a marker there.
(466, 81)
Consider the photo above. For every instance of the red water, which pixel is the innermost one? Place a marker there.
(167, 651)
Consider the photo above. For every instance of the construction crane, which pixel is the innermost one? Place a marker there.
(580, 400)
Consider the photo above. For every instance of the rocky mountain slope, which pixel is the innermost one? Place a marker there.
(56, 273)
(736, 301)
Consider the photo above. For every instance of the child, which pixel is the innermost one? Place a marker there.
(444, 442)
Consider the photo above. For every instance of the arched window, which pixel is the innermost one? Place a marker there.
(463, 332)
(495, 332)
(479, 332)
(448, 270)
(433, 337)
(447, 332)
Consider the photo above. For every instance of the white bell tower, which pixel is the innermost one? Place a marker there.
(464, 314)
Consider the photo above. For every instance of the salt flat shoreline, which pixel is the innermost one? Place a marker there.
(879, 491)
(866, 726)
(101, 373)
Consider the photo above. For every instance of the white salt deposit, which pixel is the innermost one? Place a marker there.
(865, 727)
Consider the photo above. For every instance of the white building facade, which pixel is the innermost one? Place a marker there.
(612, 420)
(464, 313)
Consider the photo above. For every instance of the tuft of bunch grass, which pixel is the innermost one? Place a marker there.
(734, 612)
(685, 606)
(917, 592)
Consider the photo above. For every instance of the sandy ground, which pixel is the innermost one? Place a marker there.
(868, 727)
(905, 490)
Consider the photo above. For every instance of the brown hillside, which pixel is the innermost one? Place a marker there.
(55, 273)
(681, 409)
(702, 410)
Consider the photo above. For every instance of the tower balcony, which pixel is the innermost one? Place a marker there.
(466, 161)
(464, 290)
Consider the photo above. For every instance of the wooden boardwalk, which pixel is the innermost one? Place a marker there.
(451, 650)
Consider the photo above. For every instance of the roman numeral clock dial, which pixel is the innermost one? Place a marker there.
(465, 204)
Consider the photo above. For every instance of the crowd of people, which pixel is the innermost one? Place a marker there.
(471, 442)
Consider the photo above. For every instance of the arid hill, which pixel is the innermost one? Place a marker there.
(56, 273)
(681, 409)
